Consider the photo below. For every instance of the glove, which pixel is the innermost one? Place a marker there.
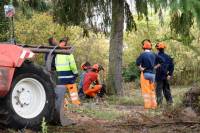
(168, 77)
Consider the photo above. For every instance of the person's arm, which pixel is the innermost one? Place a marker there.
(80, 85)
(72, 64)
(170, 68)
(159, 61)
(139, 63)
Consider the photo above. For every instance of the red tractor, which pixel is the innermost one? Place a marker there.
(27, 91)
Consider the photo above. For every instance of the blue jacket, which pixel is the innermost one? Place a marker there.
(148, 60)
(167, 67)
(82, 75)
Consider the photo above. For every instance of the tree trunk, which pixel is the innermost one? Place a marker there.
(4, 25)
(115, 52)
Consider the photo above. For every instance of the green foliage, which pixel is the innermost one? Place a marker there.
(135, 99)
(44, 126)
(181, 24)
(142, 9)
(88, 12)
(131, 24)
(100, 111)
(41, 26)
(4, 23)
(29, 6)
(186, 57)
(131, 72)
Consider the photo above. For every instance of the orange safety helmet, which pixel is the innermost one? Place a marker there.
(160, 45)
(146, 44)
(95, 66)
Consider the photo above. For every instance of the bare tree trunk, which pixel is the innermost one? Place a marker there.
(115, 52)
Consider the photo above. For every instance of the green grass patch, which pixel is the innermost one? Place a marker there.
(135, 99)
(178, 93)
(100, 112)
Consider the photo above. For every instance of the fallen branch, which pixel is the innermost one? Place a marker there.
(156, 124)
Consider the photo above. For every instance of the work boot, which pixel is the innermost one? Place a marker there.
(169, 103)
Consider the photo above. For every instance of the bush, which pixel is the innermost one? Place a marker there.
(131, 73)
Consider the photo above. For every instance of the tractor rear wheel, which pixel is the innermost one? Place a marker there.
(31, 97)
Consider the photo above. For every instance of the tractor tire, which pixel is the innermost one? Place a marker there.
(31, 97)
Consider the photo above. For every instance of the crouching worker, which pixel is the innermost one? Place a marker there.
(67, 73)
(91, 82)
(85, 67)
(147, 63)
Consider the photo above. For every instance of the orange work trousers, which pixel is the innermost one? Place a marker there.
(73, 92)
(93, 91)
(148, 93)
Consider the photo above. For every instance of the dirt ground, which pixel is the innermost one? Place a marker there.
(134, 120)
(104, 117)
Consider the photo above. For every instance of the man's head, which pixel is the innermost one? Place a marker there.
(160, 46)
(97, 67)
(86, 65)
(62, 43)
(52, 41)
(146, 44)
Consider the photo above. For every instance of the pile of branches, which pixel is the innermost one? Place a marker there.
(192, 99)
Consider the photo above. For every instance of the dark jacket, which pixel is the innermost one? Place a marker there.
(148, 60)
(53, 66)
(167, 67)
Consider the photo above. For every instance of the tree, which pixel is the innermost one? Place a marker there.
(24, 6)
(4, 24)
(86, 13)
(116, 44)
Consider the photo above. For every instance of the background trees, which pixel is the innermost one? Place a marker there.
(4, 23)
(90, 24)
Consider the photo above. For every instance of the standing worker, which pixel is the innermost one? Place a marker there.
(67, 72)
(147, 63)
(52, 42)
(163, 75)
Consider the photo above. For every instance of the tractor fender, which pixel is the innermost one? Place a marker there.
(11, 57)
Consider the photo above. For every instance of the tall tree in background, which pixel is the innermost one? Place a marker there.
(116, 44)
(22, 5)
(100, 14)
(4, 23)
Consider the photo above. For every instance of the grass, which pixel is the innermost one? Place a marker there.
(134, 100)
(178, 93)
(108, 111)
(105, 112)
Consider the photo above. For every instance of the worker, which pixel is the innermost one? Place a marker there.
(52, 42)
(147, 63)
(67, 73)
(86, 66)
(91, 83)
(163, 75)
